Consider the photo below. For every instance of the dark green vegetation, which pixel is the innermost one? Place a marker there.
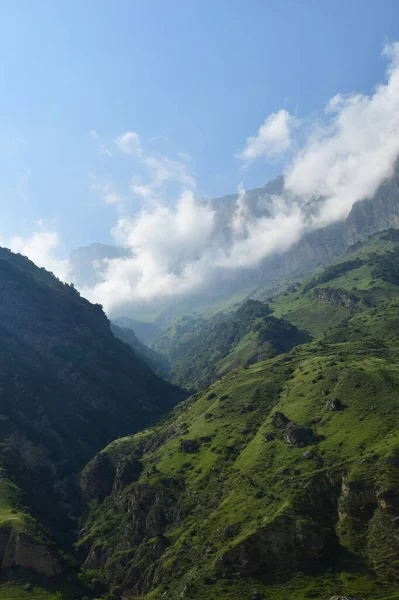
(280, 479)
(203, 350)
(67, 388)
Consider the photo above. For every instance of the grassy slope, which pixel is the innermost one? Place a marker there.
(237, 480)
(201, 351)
(306, 312)
(249, 488)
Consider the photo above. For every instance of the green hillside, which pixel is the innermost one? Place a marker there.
(202, 350)
(279, 481)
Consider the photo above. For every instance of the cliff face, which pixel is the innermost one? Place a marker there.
(318, 248)
(21, 550)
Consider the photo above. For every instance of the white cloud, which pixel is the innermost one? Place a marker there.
(93, 133)
(129, 143)
(40, 247)
(348, 156)
(168, 246)
(108, 192)
(113, 197)
(259, 237)
(161, 171)
(105, 151)
(273, 137)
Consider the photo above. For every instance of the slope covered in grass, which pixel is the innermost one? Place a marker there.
(217, 509)
(280, 480)
(201, 350)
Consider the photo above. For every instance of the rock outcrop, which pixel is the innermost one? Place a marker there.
(335, 296)
(21, 550)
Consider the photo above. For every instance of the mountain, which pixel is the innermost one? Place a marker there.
(315, 249)
(203, 350)
(158, 363)
(279, 481)
(67, 388)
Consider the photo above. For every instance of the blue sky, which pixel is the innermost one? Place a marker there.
(192, 77)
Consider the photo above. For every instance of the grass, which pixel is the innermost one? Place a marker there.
(169, 534)
(247, 488)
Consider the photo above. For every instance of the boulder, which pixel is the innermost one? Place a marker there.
(279, 420)
(298, 435)
(333, 404)
(189, 446)
(269, 437)
(308, 454)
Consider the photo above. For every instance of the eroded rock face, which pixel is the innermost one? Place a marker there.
(20, 550)
(96, 559)
(97, 478)
(335, 296)
(356, 499)
(127, 471)
(277, 550)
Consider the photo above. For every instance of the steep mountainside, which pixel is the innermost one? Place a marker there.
(158, 363)
(281, 480)
(67, 387)
(203, 350)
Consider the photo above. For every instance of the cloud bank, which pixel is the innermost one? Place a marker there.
(347, 157)
(41, 248)
(180, 248)
(273, 137)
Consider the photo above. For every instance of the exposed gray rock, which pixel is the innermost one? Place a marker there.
(97, 478)
(20, 550)
(96, 558)
(189, 446)
(333, 405)
(335, 296)
(279, 420)
(308, 454)
(128, 470)
(298, 435)
(342, 598)
(269, 437)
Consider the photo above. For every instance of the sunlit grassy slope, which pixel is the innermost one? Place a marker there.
(230, 515)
